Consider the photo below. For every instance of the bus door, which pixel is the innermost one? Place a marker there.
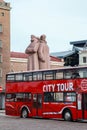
(37, 105)
(84, 105)
(79, 106)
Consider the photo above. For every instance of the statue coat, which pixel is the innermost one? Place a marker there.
(43, 55)
(33, 63)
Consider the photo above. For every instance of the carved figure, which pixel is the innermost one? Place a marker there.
(43, 53)
(33, 62)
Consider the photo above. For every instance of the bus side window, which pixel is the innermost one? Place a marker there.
(40, 76)
(84, 73)
(23, 97)
(35, 76)
(75, 75)
(69, 96)
(28, 77)
(48, 97)
(58, 96)
(67, 74)
(10, 97)
(59, 75)
(19, 77)
(27, 97)
(48, 75)
(19, 97)
(10, 77)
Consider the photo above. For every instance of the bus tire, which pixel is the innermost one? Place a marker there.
(24, 113)
(67, 115)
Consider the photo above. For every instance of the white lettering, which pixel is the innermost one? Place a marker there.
(53, 87)
(49, 88)
(59, 87)
(65, 86)
(44, 88)
(62, 87)
(71, 86)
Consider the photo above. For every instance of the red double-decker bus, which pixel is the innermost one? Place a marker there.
(57, 93)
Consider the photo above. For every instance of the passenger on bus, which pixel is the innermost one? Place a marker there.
(75, 75)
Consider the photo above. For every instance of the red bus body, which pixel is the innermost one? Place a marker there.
(69, 95)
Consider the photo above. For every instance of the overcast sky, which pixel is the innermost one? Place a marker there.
(62, 21)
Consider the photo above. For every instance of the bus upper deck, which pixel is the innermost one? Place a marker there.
(61, 73)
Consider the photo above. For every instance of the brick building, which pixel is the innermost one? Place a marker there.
(4, 45)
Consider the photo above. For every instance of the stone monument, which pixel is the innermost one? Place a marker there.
(43, 53)
(31, 50)
(38, 52)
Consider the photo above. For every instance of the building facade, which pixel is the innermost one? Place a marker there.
(18, 62)
(4, 46)
(75, 57)
(83, 58)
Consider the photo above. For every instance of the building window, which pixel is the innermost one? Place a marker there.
(0, 43)
(6, 4)
(0, 72)
(84, 59)
(0, 27)
(0, 58)
(2, 13)
(0, 75)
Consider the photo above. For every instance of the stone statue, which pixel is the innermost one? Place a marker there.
(43, 53)
(33, 62)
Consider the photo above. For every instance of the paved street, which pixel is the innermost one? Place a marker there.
(16, 123)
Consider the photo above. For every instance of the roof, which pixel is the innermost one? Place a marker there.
(55, 59)
(63, 54)
(75, 48)
(79, 43)
(24, 55)
(18, 55)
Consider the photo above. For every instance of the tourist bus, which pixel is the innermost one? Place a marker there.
(58, 93)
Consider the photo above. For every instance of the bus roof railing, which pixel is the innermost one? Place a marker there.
(42, 70)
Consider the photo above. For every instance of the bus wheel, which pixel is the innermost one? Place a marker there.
(67, 115)
(24, 113)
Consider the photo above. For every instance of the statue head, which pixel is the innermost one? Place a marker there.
(43, 37)
(34, 38)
